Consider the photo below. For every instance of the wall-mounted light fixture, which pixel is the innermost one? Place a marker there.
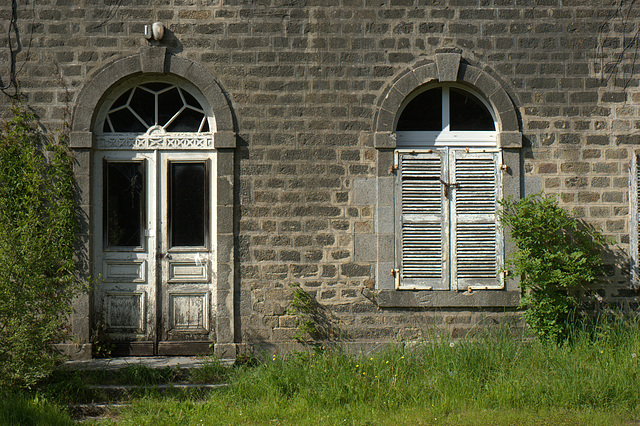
(154, 31)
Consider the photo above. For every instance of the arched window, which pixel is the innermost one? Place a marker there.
(449, 182)
(446, 115)
(155, 115)
(151, 105)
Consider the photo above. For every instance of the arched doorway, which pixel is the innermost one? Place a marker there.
(153, 140)
(154, 219)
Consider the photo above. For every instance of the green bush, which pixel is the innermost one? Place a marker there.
(557, 256)
(37, 234)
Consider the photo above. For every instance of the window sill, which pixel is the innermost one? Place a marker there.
(447, 299)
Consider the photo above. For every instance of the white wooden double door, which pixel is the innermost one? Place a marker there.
(154, 228)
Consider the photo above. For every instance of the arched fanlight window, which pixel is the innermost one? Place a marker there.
(445, 115)
(155, 105)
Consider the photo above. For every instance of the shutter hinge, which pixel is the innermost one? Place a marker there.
(396, 274)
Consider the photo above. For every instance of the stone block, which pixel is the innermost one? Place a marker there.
(364, 191)
(152, 59)
(510, 139)
(80, 139)
(385, 220)
(448, 65)
(365, 247)
(224, 139)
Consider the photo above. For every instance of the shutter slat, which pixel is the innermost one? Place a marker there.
(476, 251)
(421, 185)
(422, 250)
(476, 186)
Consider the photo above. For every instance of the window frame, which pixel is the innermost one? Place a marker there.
(447, 143)
(634, 216)
(446, 137)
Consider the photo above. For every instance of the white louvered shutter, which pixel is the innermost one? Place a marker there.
(475, 233)
(634, 209)
(423, 224)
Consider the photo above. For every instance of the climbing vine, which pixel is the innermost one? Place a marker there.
(37, 237)
(316, 326)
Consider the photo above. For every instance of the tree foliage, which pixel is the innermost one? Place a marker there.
(37, 234)
(557, 256)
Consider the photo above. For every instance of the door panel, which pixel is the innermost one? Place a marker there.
(186, 223)
(153, 240)
(125, 299)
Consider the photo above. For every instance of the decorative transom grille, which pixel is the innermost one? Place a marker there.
(156, 105)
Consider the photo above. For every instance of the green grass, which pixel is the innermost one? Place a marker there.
(497, 378)
(493, 379)
(25, 410)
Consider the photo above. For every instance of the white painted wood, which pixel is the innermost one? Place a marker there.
(155, 292)
(476, 255)
(634, 210)
(118, 287)
(423, 221)
(187, 273)
(448, 231)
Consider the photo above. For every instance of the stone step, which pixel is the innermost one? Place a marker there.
(97, 411)
(185, 362)
(93, 412)
(160, 386)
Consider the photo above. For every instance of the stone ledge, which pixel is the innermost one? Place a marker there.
(510, 140)
(384, 140)
(447, 299)
(74, 351)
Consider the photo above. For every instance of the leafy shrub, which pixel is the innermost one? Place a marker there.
(37, 234)
(557, 256)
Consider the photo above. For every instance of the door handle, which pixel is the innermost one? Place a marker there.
(167, 256)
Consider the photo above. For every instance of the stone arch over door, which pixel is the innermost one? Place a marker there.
(447, 67)
(155, 63)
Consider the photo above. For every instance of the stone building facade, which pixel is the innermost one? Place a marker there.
(302, 153)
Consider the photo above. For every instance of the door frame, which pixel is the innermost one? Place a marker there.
(149, 282)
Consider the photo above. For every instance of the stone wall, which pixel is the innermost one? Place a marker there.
(304, 80)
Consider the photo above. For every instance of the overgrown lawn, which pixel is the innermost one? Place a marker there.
(498, 378)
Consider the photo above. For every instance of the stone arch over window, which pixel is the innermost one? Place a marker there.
(204, 112)
(447, 68)
(440, 151)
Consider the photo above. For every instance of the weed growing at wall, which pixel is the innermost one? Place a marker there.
(37, 235)
(557, 256)
(315, 324)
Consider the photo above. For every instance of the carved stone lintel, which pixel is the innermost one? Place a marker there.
(136, 141)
